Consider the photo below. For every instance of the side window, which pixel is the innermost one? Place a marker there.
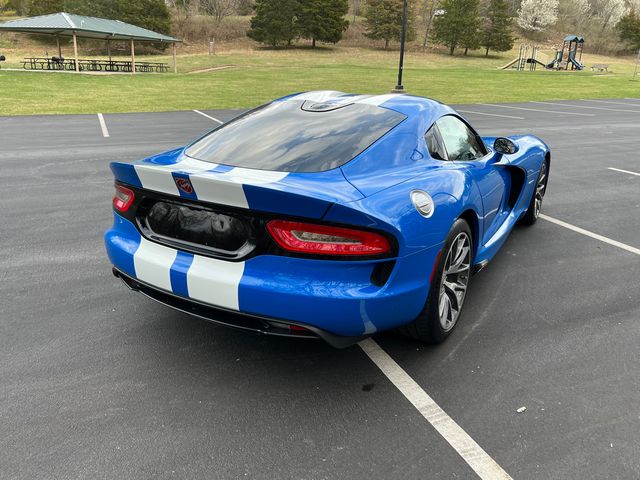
(434, 143)
(460, 141)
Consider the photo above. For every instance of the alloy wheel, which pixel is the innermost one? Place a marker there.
(541, 187)
(455, 279)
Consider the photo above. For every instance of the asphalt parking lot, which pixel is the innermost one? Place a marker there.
(100, 382)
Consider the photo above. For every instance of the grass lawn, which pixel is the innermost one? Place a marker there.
(251, 77)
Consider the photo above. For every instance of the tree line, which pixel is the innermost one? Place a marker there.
(151, 14)
(456, 23)
(278, 22)
(459, 25)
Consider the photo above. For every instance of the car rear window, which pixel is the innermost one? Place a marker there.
(296, 136)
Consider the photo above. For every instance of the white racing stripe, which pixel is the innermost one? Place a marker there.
(254, 177)
(103, 126)
(227, 188)
(481, 463)
(491, 114)
(318, 96)
(218, 189)
(209, 116)
(158, 177)
(324, 95)
(624, 171)
(215, 281)
(582, 231)
(378, 100)
(152, 263)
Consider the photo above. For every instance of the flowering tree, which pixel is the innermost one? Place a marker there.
(536, 15)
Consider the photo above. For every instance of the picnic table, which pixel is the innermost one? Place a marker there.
(59, 63)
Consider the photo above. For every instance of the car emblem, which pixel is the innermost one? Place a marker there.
(184, 184)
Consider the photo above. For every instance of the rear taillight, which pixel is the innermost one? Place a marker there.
(326, 239)
(123, 198)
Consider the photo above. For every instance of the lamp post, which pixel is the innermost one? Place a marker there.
(399, 87)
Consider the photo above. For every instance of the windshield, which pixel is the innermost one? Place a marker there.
(285, 137)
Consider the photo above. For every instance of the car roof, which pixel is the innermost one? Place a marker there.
(409, 105)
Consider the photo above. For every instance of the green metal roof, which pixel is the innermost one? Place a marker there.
(65, 24)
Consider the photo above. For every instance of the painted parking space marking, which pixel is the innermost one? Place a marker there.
(610, 102)
(582, 231)
(491, 114)
(537, 110)
(588, 106)
(479, 460)
(103, 126)
(624, 171)
(209, 116)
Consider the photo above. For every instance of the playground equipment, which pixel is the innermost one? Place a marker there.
(528, 59)
(570, 56)
(567, 58)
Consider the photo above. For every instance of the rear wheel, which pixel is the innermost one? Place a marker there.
(448, 289)
(533, 212)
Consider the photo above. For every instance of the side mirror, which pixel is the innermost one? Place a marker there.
(505, 146)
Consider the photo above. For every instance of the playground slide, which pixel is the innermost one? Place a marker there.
(504, 67)
(576, 64)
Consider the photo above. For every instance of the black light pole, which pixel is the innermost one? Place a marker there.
(399, 86)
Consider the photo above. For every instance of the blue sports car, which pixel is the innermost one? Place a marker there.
(325, 214)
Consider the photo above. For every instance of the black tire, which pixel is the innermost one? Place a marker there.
(533, 212)
(427, 327)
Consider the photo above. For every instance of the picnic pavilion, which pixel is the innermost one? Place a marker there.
(78, 26)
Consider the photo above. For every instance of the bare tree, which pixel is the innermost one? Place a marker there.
(219, 9)
(183, 11)
(429, 11)
(608, 12)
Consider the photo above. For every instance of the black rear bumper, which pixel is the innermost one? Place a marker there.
(229, 318)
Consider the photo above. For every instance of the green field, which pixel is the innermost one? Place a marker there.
(245, 78)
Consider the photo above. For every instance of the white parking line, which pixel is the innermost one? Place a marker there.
(538, 110)
(481, 463)
(582, 231)
(490, 114)
(587, 106)
(609, 102)
(103, 126)
(209, 117)
(624, 171)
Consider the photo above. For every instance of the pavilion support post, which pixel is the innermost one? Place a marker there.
(133, 57)
(75, 52)
(59, 48)
(109, 48)
(175, 65)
